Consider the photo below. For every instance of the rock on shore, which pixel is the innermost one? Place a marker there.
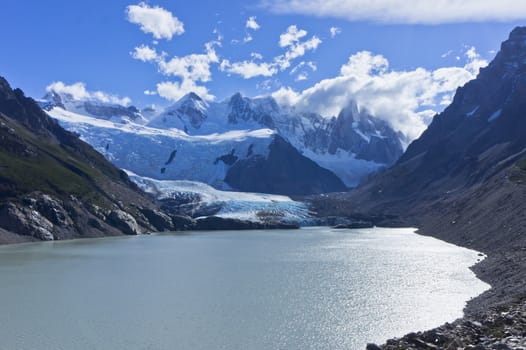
(501, 328)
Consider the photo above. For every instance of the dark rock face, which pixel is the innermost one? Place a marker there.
(212, 223)
(196, 117)
(124, 222)
(112, 111)
(228, 159)
(53, 210)
(24, 221)
(284, 171)
(104, 111)
(477, 136)
(52, 99)
(368, 137)
(188, 110)
(182, 222)
(55, 186)
(241, 108)
(355, 224)
(485, 124)
(159, 220)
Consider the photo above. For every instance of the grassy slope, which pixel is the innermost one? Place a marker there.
(49, 168)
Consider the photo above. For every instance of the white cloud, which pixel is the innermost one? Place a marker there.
(291, 39)
(295, 47)
(406, 99)
(79, 92)
(155, 20)
(334, 31)
(476, 62)
(191, 70)
(249, 69)
(302, 76)
(297, 67)
(312, 66)
(144, 53)
(291, 36)
(194, 67)
(252, 24)
(403, 11)
(247, 38)
(175, 90)
(150, 93)
(256, 56)
(446, 54)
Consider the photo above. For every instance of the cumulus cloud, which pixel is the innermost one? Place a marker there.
(475, 61)
(252, 24)
(249, 69)
(334, 31)
(292, 40)
(296, 48)
(175, 90)
(144, 53)
(79, 92)
(403, 11)
(191, 70)
(291, 36)
(406, 99)
(193, 67)
(161, 23)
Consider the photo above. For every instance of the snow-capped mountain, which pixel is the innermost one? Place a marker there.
(241, 143)
(222, 160)
(189, 111)
(91, 107)
(352, 145)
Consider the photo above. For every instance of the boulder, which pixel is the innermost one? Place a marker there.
(25, 221)
(182, 222)
(158, 219)
(123, 221)
(53, 210)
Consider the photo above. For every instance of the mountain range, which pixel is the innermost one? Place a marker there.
(239, 144)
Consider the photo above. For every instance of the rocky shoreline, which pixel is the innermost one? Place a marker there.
(502, 327)
(496, 319)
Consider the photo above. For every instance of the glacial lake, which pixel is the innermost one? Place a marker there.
(314, 288)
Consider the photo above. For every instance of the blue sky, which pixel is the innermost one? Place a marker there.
(286, 50)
